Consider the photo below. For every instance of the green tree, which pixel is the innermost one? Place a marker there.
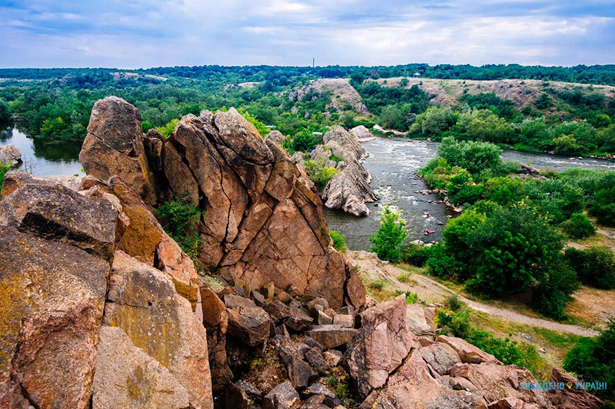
(387, 241)
(5, 115)
(392, 117)
(304, 141)
(475, 157)
(594, 267)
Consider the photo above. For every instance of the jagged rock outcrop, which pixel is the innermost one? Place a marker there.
(571, 397)
(248, 189)
(10, 155)
(114, 147)
(68, 338)
(350, 189)
(362, 133)
(383, 343)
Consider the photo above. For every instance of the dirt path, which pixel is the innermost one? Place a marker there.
(434, 292)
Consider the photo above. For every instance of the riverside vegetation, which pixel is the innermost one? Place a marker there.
(572, 119)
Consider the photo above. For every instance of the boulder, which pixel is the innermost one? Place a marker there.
(418, 322)
(10, 155)
(215, 320)
(247, 322)
(332, 336)
(381, 345)
(466, 351)
(571, 398)
(495, 381)
(344, 320)
(143, 303)
(114, 147)
(57, 213)
(127, 377)
(349, 190)
(362, 133)
(440, 357)
(294, 318)
(282, 396)
(299, 371)
(276, 137)
(353, 150)
(52, 298)
(412, 386)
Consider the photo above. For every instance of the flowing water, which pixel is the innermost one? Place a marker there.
(393, 164)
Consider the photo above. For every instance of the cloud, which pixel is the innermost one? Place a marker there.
(144, 33)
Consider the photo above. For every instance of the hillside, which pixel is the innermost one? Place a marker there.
(522, 92)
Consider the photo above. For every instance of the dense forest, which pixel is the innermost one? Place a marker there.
(54, 104)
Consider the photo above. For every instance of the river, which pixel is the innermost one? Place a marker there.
(393, 164)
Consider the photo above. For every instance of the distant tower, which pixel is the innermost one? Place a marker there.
(313, 62)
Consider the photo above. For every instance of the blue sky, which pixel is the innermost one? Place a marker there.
(146, 33)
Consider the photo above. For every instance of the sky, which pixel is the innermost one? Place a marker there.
(151, 33)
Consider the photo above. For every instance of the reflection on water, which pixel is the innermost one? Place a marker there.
(43, 159)
(393, 164)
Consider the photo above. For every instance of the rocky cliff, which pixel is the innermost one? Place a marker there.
(262, 218)
(100, 308)
(350, 188)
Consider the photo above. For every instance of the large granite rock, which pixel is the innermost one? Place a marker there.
(55, 253)
(10, 155)
(114, 146)
(143, 303)
(381, 346)
(350, 189)
(412, 386)
(248, 189)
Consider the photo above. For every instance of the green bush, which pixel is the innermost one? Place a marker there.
(339, 240)
(594, 267)
(180, 219)
(554, 292)
(578, 226)
(169, 128)
(387, 241)
(603, 207)
(593, 359)
(319, 172)
(417, 255)
(4, 168)
(453, 303)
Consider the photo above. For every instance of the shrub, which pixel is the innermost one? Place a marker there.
(456, 323)
(319, 172)
(472, 156)
(593, 359)
(554, 291)
(378, 284)
(180, 219)
(453, 303)
(416, 255)
(603, 207)
(594, 267)
(4, 168)
(388, 239)
(578, 226)
(169, 128)
(303, 141)
(339, 240)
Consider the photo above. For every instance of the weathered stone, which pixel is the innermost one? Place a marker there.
(259, 299)
(381, 345)
(332, 336)
(496, 381)
(333, 357)
(311, 305)
(323, 319)
(361, 133)
(247, 322)
(571, 398)
(51, 308)
(412, 386)
(316, 359)
(126, 377)
(114, 147)
(466, 351)
(10, 155)
(440, 357)
(417, 321)
(346, 321)
(282, 396)
(57, 213)
(276, 137)
(143, 302)
(294, 318)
